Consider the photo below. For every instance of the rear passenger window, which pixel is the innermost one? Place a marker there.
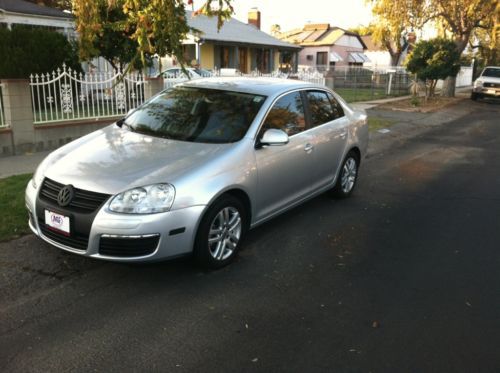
(320, 107)
(287, 114)
(337, 108)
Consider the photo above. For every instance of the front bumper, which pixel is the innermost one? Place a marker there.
(487, 91)
(175, 229)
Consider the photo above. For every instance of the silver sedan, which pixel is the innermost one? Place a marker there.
(195, 167)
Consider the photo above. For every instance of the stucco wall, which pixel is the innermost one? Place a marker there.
(342, 51)
(6, 143)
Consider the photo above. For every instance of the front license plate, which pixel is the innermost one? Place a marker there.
(57, 222)
(490, 92)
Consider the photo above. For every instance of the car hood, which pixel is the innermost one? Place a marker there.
(489, 79)
(113, 159)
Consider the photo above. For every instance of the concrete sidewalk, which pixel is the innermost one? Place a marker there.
(20, 164)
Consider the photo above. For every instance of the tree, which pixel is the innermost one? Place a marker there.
(432, 60)
(275, 30)
(393, 41)
(157, 26)
(114, 42)
(458, 18)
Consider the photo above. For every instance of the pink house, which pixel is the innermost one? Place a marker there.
(325, 46)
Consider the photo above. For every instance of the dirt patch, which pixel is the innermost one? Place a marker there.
(421, 105)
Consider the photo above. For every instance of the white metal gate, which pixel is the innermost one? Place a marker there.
(66, 95)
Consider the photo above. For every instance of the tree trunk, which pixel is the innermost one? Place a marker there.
(395, 58)
(449, 83)
(448, 89)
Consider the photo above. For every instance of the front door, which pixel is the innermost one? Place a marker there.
(329, 128)
(284, 172)
(242, 58)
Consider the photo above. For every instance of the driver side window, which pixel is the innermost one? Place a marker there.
(287, 114)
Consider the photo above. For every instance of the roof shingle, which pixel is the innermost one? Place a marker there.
(25, 7)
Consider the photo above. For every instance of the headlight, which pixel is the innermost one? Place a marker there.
(144, 200)
(478, 83)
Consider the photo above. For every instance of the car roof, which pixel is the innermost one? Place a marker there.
(259, 86)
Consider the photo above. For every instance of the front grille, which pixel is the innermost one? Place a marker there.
(75, 241)
(492, 85)
(83, 201)
(127, 247)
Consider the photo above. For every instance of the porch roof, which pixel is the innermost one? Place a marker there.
(234, 31)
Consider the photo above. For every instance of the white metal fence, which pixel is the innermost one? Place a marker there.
(3, 122)
(66, 95)
(464, 77)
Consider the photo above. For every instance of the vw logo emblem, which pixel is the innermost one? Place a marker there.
(65, 195)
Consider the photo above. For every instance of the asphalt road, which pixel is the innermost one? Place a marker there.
(402, 277)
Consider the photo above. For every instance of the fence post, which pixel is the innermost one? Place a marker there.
(152, 86)
(19, 114)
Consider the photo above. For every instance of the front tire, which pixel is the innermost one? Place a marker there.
(220, 233)
(348, 176)
(474, 96)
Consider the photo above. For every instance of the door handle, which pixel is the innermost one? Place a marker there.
(308, 148)
(343, 134)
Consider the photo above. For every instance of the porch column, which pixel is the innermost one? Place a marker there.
(236, 58)
(197, 53)
(19, 114)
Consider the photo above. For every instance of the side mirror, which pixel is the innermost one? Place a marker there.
(274, 136)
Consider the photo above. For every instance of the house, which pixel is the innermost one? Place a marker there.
(20, 12)
(236, 45)
(325, 46)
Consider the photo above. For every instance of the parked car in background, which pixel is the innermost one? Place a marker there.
(175, 75)
(192, 72)
(195, 167)
(487, 84)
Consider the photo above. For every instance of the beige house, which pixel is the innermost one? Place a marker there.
(237, 45)
(325, 46)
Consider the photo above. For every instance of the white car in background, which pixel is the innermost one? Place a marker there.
(175, 75)
(487, 84)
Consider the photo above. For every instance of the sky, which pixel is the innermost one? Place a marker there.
(290, 14)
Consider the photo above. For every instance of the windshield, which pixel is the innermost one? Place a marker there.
(492, 72)
(196, 115)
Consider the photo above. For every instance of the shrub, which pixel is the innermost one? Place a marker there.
(432, 60)
(26, 50)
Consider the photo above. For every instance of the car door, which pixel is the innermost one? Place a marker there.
(284, 172)
(329, 129)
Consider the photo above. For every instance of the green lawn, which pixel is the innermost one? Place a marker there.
(363, 94)
(14, 217)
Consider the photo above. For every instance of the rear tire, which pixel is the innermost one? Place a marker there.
(347, 177)
(220, 233)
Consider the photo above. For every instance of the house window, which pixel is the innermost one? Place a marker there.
(322, 58)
